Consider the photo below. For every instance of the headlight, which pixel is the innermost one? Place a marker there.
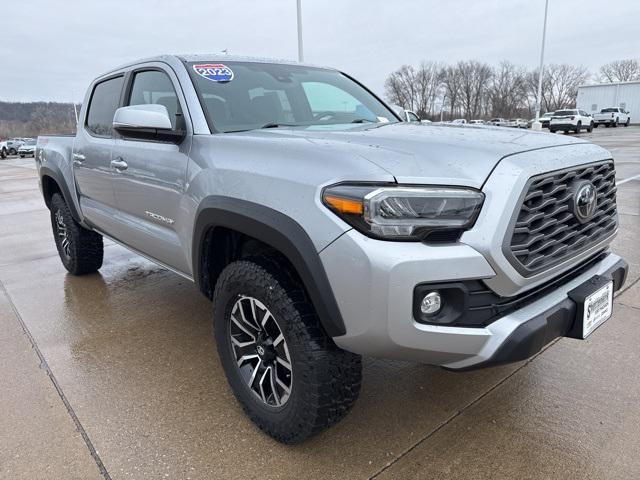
(404, 213)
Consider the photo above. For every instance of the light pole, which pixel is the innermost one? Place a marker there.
(300, 54)
(537, 125)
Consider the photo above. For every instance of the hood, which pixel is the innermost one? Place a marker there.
(444, 154)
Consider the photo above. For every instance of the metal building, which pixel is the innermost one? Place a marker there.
(593, 98)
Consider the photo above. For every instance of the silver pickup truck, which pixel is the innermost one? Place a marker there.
(324, 228)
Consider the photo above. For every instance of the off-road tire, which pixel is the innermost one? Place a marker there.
(325, 379)
(85, 247)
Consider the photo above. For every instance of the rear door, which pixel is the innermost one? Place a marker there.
(149, 190)
(92, 153)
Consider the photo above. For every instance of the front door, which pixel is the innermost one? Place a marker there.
(149, 176)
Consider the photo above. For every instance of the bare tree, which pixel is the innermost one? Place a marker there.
(559, 85)
(508, 91)
(620, 71)
(401, 87)
(429, 82)
(473, 84)
(451, 82)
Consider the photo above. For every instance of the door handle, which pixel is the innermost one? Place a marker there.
(119, 164)
(78, 158)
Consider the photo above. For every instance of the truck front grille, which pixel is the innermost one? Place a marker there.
(547, 231)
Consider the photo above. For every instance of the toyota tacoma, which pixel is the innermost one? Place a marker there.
(323, 228)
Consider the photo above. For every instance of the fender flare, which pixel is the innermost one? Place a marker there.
(280, 232)
(55, 173)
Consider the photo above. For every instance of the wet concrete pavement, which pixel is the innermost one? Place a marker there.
(115, 375)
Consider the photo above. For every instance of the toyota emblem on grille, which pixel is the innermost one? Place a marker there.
(585, 201)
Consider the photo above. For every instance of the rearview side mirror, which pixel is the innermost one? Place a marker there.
(148, 122)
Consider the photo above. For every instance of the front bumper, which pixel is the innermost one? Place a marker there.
(375, 296)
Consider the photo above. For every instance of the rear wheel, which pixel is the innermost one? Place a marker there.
(578, 127)
(552, 130)
(616, 123)
(595, 125)
(626, 124)
(286, 372)
(590, 128)
(12, 151)
(566, 132)
(80, 250)
(3, 152)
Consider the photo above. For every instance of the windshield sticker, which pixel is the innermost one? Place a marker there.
(216, 72)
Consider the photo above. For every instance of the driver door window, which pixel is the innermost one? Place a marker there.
(155, 87)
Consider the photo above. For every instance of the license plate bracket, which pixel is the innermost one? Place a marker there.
(594, 305)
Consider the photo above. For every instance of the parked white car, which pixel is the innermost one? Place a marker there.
(612, 116)
(477, 122)
(571, 119)
(544, 120)
(499, 122)
(518, 123)
(459, 121)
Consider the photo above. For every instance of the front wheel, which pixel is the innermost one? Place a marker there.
(595, 125)
(12, 151)
(578, 127)
(552, 130)
(286, 372)
(628, 122)
(80, 250)
(3, 153)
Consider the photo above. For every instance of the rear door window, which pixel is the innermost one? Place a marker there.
(105, 99)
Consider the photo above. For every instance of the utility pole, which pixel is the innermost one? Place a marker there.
(537, 125)
(300, 53)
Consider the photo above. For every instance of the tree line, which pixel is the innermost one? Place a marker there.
(472, 89)
(31, 119)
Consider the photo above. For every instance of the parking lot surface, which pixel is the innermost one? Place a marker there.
(115, 375)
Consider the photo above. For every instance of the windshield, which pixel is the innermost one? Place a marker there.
(238, 96)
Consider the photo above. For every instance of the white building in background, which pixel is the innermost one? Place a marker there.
(593, 98)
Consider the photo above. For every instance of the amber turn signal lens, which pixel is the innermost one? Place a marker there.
(344, 205)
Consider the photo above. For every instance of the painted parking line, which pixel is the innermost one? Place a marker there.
(621, 182)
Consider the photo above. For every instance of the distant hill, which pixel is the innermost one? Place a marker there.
(36, 118)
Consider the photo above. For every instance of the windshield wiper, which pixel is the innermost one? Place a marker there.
(363, 120)
(276, 125)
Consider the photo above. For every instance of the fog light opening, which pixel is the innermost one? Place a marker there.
(431, 303)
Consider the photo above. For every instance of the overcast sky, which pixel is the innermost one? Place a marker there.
(50, 50)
